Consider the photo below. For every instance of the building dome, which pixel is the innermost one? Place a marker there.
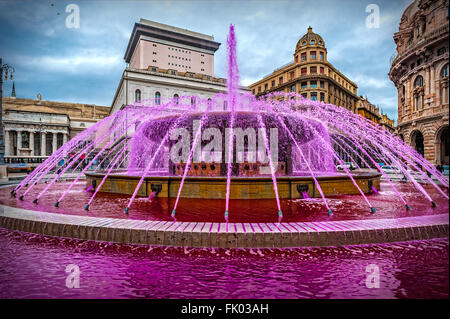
(310, 38)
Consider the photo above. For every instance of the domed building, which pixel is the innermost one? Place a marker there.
(311, 75)
(420, 74)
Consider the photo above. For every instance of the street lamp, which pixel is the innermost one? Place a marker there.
(9, 70)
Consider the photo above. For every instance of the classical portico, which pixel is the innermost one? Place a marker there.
(37, 141)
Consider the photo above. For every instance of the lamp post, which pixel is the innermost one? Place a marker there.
(9, 70)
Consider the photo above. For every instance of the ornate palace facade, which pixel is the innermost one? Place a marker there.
(420, 73)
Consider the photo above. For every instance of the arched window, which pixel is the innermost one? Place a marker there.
(313, 42)
(176, 98)
(444, 71)
(137, 95)
(193, 101)
(157, 98)
(418, 81)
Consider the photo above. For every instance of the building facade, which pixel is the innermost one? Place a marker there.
(420, 74)
(166, 62)
(311, 75)
(35, 129)
(372, 112)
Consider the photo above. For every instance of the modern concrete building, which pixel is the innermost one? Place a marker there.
(166, 62)
(420, 74)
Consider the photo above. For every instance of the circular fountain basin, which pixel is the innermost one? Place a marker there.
(258, 187)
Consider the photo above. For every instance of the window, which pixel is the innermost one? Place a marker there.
(303, 56)
(176, 98)
(253, 91)
(173, 72)
(314, 96)
(296, 58)
(293, 88)
(313, 70)
(444, 72)
(304, 85)
(322, 70)
(441, 51)
(418, 102)
(303, 71)
(137, 95)
(322, 97)
(273, 83)
(443, 93)
(418, 81)
(193, 101)
(153, 69)
(157, 98)
(259, 89)
(291, 75)
(313, 84)
(412, 66)
(313, 42)
(305, 95)
(312, 55)
(266, 86)
(321, 56)
(303, 43)
(154, 52)
(322, 84)
(280, 80)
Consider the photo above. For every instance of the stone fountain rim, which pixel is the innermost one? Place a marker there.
(222, 235)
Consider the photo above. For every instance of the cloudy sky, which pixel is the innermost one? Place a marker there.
(85, 64)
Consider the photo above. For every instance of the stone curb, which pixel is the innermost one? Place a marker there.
(221, 235)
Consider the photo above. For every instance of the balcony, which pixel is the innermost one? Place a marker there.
(422, 42)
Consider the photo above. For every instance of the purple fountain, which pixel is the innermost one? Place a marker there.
(235, 148)
(217, 198)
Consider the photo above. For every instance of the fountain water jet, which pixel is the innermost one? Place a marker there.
(313, 137)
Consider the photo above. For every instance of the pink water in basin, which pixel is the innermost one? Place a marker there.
(345, 207)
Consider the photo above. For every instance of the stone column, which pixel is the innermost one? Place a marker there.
(19, 142)
(32, 143)
(43, 144)
(7, 143)
(54, 144)
(64, 142)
